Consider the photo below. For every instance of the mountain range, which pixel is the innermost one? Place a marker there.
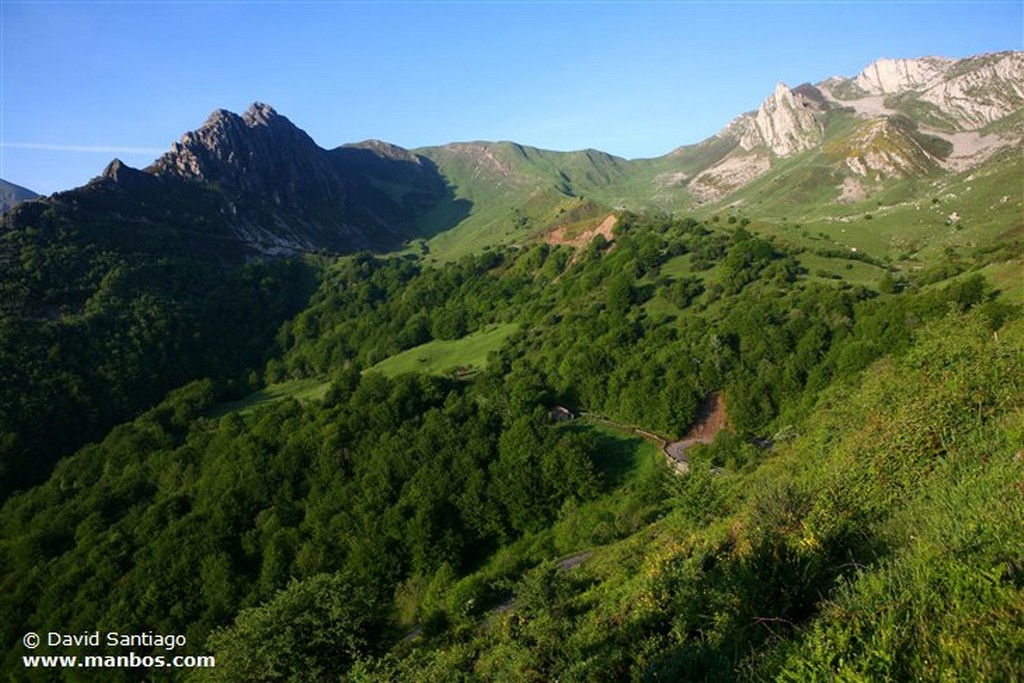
(747, 411)
(882, 144)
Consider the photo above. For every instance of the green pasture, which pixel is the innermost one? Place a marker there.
(442, 356)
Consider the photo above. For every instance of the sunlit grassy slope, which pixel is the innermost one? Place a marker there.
(439, 356)
(436, 357)
(311, 389)
(880, 541)
(518, 193)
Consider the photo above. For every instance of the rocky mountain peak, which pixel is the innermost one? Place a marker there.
(283, 193)
(959, 95)
(113, 169)
(887, 76)
(259, 114)
(124, 176)
(258, 152)
(789, 121)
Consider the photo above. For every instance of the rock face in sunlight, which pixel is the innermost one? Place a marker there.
(887, 76)
(909, 118)
(971, 93)
(277, 192)
(788, 122)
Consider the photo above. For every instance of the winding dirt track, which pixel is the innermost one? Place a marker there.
(711, 418)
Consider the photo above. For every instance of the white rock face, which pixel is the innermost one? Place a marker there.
(904, 101)
(888, 76)
(729, 174)
(981, 95)
(786, 123)
(971, 92)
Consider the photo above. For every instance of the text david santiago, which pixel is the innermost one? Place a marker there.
(114, 639)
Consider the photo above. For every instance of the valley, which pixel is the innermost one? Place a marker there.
(751, 410)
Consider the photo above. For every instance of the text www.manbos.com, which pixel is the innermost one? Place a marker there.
(130, 660)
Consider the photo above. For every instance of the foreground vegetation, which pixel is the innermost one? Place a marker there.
(860, 518)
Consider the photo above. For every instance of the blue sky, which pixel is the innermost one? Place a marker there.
(84, 82)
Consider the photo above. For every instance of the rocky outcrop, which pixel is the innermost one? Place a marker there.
(285, 194)
(788, 122)
(260, 153)
(883, 148)
(980, 91)
(888, 76)
(729, 175)
(968, 93)
(921, 115)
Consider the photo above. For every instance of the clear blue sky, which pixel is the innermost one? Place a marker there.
(86, 81)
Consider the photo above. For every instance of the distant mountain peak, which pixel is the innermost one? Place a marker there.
(255, 152)
(11, 194)
(124, 176)
(114, 169)
(886, 76)
(259, 113)
(787, 122)
(284, 193)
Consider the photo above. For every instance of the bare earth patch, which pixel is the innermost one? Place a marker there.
(711, 418)
(851, 191)
(971, 149)
(559, 235)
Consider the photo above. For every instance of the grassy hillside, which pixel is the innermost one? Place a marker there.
(311, 389)
(402, 525)
(515, 191)
(915, 211)
(867, 547)
(438, 357)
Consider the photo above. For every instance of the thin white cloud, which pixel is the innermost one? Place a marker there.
(88, 149)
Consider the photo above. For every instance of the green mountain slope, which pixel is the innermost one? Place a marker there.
(358, 467)
(880, 144)
(881, 541)
(515, 191)
(329, 528)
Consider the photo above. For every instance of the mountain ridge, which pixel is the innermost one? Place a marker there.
(897, 120)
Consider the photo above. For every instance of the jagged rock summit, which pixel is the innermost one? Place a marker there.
(285, 193)
(914, 116)
(887, 76)
(960, 95)
(788, 122)
(267, 184)
(258, 185)
(257, 153)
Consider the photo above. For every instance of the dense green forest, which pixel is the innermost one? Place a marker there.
(859, 519)
(102, 314)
